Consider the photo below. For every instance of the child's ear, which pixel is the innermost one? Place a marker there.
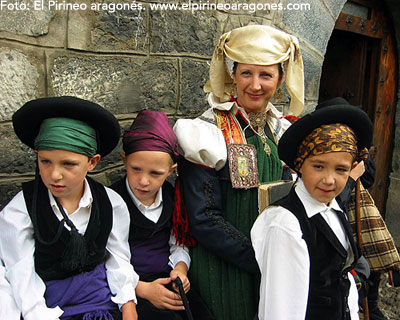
(172, 169)
(123, 157)
(94, 161)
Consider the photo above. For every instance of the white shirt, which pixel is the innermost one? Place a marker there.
(283, 258)
(8, 307)
(153, 213)
(17, 248)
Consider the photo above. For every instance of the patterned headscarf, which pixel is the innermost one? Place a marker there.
(335, 137)
(259, 45)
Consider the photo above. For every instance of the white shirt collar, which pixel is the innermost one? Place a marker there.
(311, 205)
(143, 208)
(85, 202)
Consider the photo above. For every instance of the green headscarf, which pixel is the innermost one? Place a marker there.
(67, 134)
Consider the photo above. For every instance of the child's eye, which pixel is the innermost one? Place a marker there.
(342, 170)
(44, 161)
(317, 166)
(155, 173)
(135, 169)
(69, 164)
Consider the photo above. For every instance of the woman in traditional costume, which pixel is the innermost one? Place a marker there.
(228, 151)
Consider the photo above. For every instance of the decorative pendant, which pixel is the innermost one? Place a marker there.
(267, 149)
(243, 170)
(261, 134)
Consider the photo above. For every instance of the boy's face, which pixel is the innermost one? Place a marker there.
(325, 175)
(146, 172)
(63, 173)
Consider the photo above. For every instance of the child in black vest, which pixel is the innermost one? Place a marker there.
(150, 155)
(64, 238)
(303, 243)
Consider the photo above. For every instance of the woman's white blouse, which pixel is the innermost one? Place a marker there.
(282, 256)
(17, 248)
(202, 142)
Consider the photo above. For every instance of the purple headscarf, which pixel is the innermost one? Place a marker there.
(151, 131)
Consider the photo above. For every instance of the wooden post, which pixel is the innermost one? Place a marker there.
(359, 238)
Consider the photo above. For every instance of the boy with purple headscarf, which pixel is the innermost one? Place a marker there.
(150, 156)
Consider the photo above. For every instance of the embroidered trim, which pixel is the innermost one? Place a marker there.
(218, 219)
(230, 127)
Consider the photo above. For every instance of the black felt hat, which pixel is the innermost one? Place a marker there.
(336, 110)
(28, 118)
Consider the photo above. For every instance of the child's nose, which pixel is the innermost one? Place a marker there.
(329, 178)
(56, 174)
(144, 181)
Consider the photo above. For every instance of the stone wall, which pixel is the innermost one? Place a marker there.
(393, 202)
(129, 60)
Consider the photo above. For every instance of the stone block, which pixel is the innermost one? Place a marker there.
(8, 189)
(109, 29)
(312, 73)
(21, 77)
(123, 85)
(314, 25)
(335, 6)
(230, 22)
(392, 216)
(41, 26)
(194, 76)
(15, 157)
(183, 32)
(396, 162)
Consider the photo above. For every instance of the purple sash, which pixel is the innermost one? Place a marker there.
(86, 293)
(151, 256)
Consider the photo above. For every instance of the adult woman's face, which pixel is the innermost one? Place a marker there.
(256, 85)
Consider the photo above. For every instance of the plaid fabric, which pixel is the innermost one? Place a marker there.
(378, 246)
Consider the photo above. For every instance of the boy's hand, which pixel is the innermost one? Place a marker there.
(185, 281)
(180, 271)
(129, 311)
(357, 170)
(159, 295)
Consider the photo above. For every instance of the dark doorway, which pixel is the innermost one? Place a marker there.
(360, 66)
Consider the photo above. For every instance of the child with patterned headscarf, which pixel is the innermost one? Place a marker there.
(303, 242)
(150, 156)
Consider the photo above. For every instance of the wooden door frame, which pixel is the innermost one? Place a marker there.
(378, 27)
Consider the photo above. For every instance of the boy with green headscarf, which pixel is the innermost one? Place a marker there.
(64, 238)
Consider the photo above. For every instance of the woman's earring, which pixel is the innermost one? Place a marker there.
(234, 91)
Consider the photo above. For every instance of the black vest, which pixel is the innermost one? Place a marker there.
(329, 283)
(48, 257)
(142, 228)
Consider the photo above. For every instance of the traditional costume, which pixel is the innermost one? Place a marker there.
(227, 152)
(154, 248)
(305, 248)
(67, 266)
